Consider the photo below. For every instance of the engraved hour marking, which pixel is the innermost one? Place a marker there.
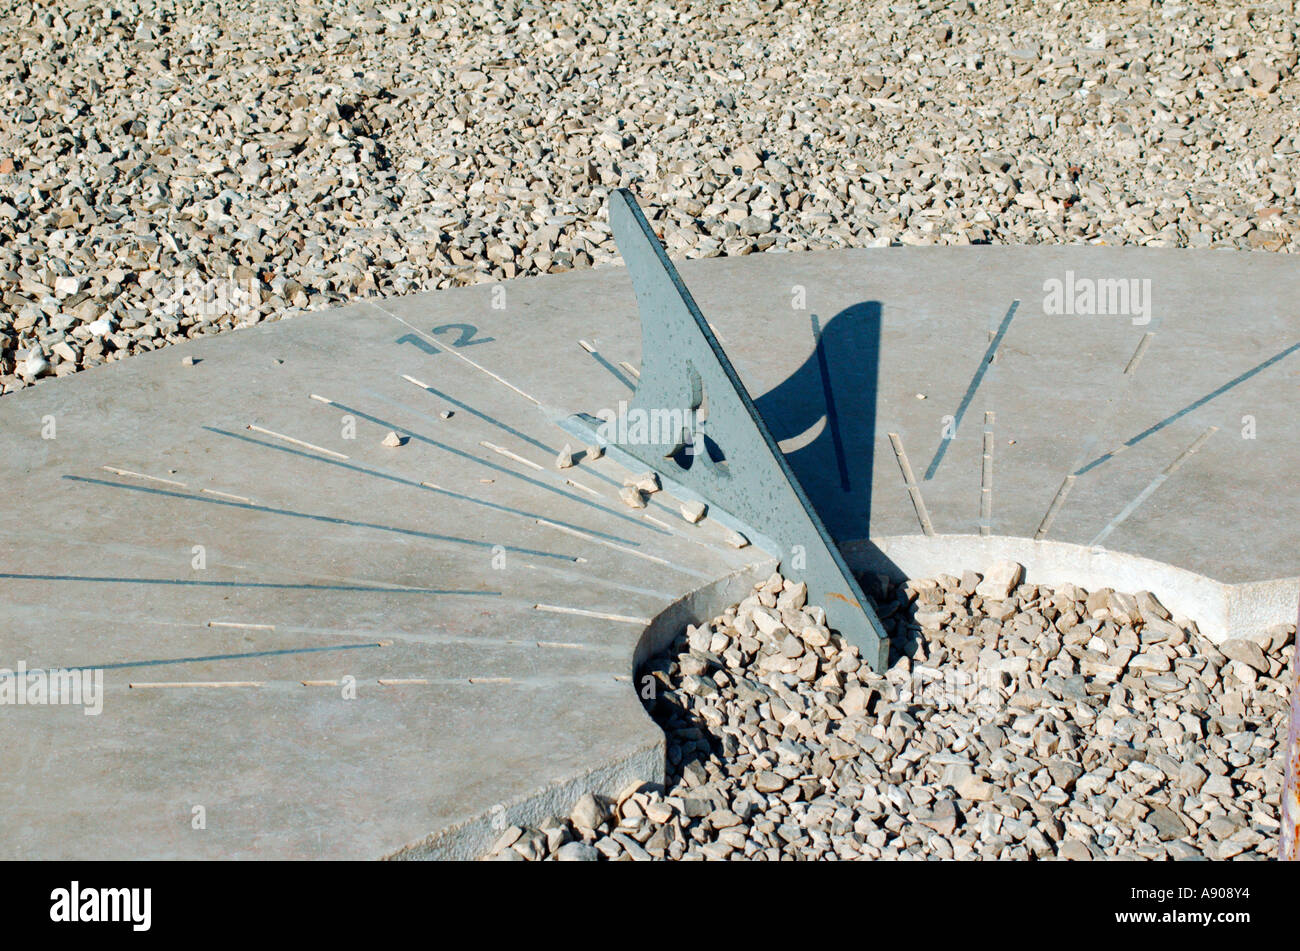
(298, 442)
(1055, 507)
(583, 612)
(510, 455)
(600, 541)
(1134, 360)
(168, 685)
(226, 495)
(141, 475)
(909, 480)
(986, 478)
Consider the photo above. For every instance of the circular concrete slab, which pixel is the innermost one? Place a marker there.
(314, 644)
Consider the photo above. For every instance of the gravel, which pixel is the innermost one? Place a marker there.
(1049, 723)
(170, 170)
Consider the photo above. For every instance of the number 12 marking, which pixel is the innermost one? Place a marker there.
(466, 339)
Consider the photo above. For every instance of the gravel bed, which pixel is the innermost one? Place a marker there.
(1015, 722)
(174, 169)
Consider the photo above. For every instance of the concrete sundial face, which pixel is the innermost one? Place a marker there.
(323, 645)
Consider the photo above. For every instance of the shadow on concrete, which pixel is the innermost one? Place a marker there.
(834, 389)
(834, 394)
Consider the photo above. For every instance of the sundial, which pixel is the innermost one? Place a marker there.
(315, 643)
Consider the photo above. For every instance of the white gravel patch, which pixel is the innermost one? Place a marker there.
(1015, 722)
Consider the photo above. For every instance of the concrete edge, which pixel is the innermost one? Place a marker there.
(1221, 611)
(471, 838)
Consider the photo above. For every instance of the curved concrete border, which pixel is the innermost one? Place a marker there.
(1220, 610)
(472, 838)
